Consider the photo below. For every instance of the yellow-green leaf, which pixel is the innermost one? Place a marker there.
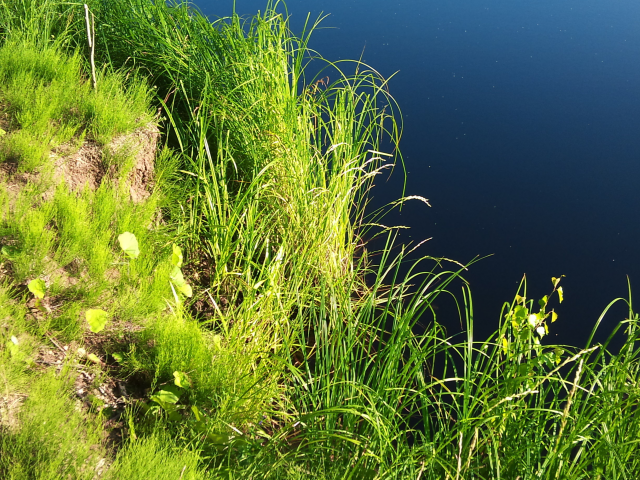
(94, 358)
(97, 319)
(560, 294)
(185, 289)
(554, 317)
(558, 354)
(37, 287)
(129, 244)
(505, 345)
(176, 277)
(176, 256)
(181, 379)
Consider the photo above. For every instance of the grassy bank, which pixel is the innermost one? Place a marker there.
(185, 290)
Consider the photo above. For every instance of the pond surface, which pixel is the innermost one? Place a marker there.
(522, 127)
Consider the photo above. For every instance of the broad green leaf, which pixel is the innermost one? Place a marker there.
(560, 294)
(181, 379)
(37, 287)
(129, 244)
(176, 277)
(176, 256)
(554, 317)
(520, 312)
(97, 319)
(118, 357)
(168, 395)
(219, 438)
(185, 289)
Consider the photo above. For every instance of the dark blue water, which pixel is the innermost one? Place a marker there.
(522, 127)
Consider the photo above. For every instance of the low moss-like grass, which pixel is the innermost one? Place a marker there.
(49, 104)
(156, 456)
(50, 438)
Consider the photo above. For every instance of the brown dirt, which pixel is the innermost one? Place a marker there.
(85, 166)
(98, 387)
(144, 141)
(9, 406)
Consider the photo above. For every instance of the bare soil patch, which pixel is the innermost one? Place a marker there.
(85, 167)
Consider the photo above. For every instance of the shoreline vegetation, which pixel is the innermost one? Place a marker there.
(186, 293)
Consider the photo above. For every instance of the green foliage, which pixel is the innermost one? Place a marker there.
(523, 330)
(51, 438)
(41, 86)
(38, 288)
(156, 456)
(129, 244)
(97, 319)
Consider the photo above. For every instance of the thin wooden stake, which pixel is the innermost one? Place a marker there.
(91, 38)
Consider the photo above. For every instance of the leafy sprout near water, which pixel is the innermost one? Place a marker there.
(524, 328)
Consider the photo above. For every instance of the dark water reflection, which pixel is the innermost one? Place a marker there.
(522, 127)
